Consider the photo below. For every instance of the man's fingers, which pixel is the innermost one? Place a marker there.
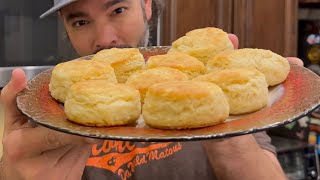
(75, 161)
(235, 41)
(17, 83)
(8, 96)
(70, 159)
(50, 139)
(41, 139)
(295, 60)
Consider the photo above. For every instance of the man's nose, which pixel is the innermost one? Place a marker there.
(105, 37)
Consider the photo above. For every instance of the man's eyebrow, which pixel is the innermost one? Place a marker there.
(111, 3)
(79, 14)
(74, 15)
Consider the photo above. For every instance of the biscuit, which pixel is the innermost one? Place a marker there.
(143, 79)
(246, 89)
(275, 67)
(184, 105)
(183, 62)
(124, 61)
(68, 73)
(203, 44)
(97, 103)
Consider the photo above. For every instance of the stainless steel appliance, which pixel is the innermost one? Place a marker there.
(298, 159)
(32, 43)
(29, 42)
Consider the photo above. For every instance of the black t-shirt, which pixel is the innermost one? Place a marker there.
(157, 161)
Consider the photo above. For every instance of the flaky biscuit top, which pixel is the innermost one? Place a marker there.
(275, 67)
(203, 44)
(232, 76)
(145, 78)
(184, 89)
(176, 60)
(85, 90)
(81, 69)
(117, 55)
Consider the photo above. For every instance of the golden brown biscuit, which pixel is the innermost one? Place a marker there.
(68, 73)
(203, 44)
(183, 62)
(97, 103)
(275, 67)
(246, 89)
(184, 105)
(124, 61)
(143, 79)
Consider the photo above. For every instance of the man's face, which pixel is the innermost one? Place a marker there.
(93, 25)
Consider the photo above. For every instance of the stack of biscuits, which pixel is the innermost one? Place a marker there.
(200, 82)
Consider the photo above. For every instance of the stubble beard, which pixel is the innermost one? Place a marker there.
(142, 42)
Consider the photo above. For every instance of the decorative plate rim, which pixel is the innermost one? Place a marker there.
(24, 108)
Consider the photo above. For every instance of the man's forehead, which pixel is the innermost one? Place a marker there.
(82, 8)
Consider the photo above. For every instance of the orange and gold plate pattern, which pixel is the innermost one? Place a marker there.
(289, 101)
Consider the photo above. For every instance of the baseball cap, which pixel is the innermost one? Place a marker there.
(57, 5)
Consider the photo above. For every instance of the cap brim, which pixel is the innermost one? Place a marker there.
(57, 7)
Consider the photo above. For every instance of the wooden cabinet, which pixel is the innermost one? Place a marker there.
(181, 16)
(268, 24)
(308, 1)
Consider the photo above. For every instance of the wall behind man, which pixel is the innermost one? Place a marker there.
(250, 20)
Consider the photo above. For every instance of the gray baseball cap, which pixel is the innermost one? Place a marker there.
(57, 5)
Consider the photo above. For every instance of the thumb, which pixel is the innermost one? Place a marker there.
(235, 41)
(295, 60)
(8, 96)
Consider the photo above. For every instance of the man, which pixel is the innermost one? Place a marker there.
(35, 152)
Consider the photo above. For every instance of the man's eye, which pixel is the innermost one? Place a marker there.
(80, 23)
(118, 11)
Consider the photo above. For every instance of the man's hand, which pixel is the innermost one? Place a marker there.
(36, 152)
(241, 157)
(295, 60)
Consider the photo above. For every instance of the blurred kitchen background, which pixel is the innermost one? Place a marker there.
(287, 27)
